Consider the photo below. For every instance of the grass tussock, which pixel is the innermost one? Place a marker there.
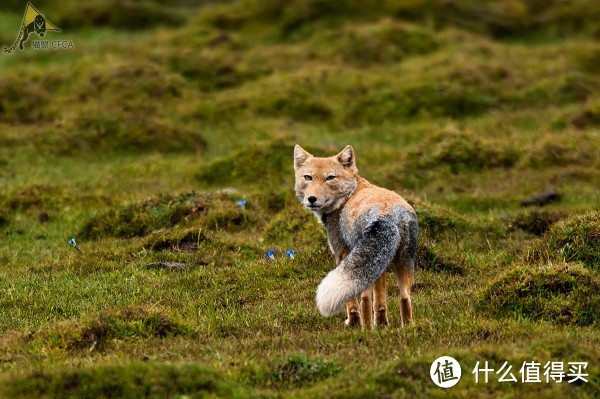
(382, 42)
(460, 151)
(25, 95)
(101, 332)
(563, 149)
(588, 117)
(102, 132)
(432, 258)
(125, 120)
(37, 196)
(45, 197)
(140, 219)
(295, 371)
(127, 15)
(500, 20)
(563, 294)
(435, 220)
(575, 239)
(292, 222)
(230, 218)
(536, 221)
(186, 240)
(269, 165)
(132, 380)
(213, 68)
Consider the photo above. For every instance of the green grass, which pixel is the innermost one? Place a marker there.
(141, 141)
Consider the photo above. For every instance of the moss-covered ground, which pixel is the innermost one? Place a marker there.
(162, 142)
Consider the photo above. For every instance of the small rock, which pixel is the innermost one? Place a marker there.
(542, 198)
(43, 217)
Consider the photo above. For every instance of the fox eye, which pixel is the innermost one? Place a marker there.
(330, 177)
(308, 177)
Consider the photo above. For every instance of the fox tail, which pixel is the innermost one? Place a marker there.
(365, 263)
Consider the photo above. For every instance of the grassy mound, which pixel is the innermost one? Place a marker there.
(47, 197)
(212, 68)
(576, 239)
(100, 333)
(114, 114)
(536, 221)
(564, 294)
(292, 222)
(502, 20)
(140, 219)
(104, 131)
(382, 42)
(25, 94)
(298, 370)
(562, 149)
(430, 258)
(176, 240)
(268, 165)
(39, 196)
(231, 218)
(589, 116)
(462, 151)
(129, 380)
(127, 15)
(435, 220)
(295, 371)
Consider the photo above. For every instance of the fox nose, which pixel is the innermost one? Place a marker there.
(312, 199)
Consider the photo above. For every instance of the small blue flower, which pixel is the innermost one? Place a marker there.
(290, 254)
(241, 203)
(73, 244)
(270, 254)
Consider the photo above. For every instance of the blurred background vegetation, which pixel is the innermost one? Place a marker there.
(140, 140)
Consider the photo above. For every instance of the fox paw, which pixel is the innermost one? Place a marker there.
(352, 321)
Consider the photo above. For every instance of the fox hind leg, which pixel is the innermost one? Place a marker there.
(404, 273)
(353, 319)
(366, 309)
(380, 301)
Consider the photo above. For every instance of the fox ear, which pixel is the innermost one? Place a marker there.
(300, 156)
(346, 157)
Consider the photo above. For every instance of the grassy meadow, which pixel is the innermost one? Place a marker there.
(141, 141)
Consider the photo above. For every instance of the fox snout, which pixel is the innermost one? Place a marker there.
(312, 202)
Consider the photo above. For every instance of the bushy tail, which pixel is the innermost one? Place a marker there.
(365, 263)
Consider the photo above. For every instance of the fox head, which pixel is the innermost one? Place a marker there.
(324, 184)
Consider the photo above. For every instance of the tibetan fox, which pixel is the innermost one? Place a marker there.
(369, 230)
